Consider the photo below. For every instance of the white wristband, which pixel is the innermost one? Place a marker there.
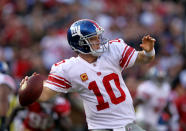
(151, 53)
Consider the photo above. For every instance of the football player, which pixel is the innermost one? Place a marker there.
(152, 97)
(96, 75)
(7, 87)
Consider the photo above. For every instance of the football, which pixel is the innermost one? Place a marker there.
(30, 90)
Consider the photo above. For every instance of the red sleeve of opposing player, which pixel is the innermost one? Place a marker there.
(63, 108)
(58, 81)
(127, 54)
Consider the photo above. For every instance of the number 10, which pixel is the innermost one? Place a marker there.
(115, 100)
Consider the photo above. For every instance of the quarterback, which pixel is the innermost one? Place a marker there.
(96, 75)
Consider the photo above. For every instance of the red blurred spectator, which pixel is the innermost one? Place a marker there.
(22, 64)
(181, 107)
(180, 102)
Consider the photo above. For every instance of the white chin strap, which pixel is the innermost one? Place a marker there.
(98, 52)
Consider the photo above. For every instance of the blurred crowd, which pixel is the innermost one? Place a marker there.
(33, 37)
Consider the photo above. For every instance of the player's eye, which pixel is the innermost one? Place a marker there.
(94, 40)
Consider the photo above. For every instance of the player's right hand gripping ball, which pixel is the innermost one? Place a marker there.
(30, 89)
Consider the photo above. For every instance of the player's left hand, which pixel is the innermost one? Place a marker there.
(147, 43)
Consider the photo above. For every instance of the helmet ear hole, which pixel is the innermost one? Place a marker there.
(87, 48)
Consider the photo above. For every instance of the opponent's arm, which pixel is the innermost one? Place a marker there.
(148, 53)
(4, 92)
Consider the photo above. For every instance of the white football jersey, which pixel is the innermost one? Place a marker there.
(8, 80)
(155, 100)
(107, 101)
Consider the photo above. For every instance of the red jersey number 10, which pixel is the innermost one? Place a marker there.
(115, 100)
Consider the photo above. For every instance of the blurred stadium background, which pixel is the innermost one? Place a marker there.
(33, 37)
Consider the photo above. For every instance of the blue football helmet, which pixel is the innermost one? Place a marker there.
(79, 33)
(3, 67)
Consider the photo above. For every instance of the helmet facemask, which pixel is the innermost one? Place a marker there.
(103, 43)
